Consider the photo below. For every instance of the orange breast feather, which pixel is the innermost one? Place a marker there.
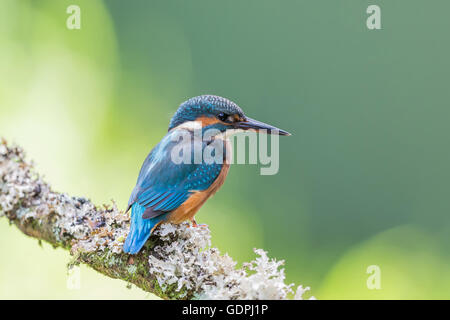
(190, 207)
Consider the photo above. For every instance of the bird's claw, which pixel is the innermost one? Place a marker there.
(195, 225)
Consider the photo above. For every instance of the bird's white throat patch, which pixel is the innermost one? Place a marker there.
(189, 125)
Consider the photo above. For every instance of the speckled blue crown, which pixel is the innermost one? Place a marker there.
(206, 105)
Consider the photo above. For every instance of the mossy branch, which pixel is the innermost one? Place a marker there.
(176, 263)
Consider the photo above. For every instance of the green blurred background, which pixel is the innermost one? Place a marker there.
(363, 180)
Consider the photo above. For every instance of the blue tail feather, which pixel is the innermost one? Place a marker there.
(140, 229)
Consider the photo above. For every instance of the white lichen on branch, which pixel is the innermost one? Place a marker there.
(186, 259)
(177, 263)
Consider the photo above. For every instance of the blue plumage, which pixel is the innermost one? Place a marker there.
(162, 187)
(140, 229)
(165, 188)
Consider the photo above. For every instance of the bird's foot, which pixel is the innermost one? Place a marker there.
(195, 225)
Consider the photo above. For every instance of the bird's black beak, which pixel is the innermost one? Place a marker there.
(252, 124)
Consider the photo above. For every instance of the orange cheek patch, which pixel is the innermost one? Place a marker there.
(206, 121)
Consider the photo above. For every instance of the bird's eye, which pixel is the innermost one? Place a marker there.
(223, 117)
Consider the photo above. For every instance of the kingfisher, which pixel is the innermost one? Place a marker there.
(170, 191)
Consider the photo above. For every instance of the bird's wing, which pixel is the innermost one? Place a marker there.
(163, 185)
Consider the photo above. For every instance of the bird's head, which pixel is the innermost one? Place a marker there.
(213, 112)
